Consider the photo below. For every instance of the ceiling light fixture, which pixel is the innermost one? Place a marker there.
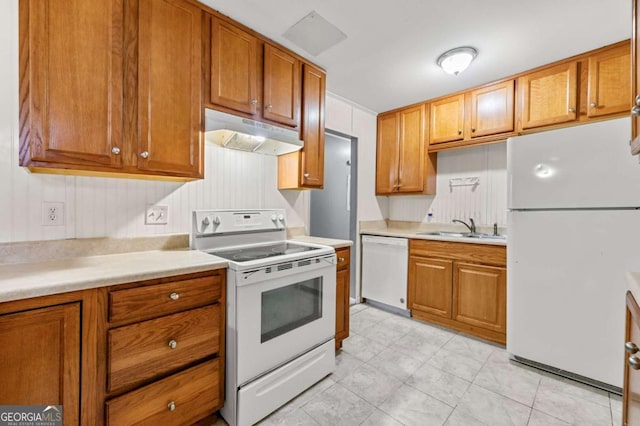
(456, 60)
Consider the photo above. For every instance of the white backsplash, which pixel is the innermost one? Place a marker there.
(486, 202)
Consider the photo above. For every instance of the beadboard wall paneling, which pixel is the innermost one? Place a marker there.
(486, 202)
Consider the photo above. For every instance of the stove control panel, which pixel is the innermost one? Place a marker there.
(211, 222)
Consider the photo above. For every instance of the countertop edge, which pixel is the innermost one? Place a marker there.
(412, 235)
(332, 242)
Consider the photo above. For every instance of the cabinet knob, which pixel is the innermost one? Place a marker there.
(254, 102)
(174, 296)
(459, 131)
(171, 406)
(572, 109)
(635, 110)
(630, 348)
(634, 362)
(144, 154)
(341, 259)
(637, 99)
(306, 175)
(115, 150)
(593, 105)
(173, 344)
(473, 129)
(269, 106)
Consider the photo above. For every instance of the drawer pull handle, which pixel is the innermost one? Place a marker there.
(173, 344)
(634, 362)
(630, 348)
(174, 296)
(171, 406)
(341, 259)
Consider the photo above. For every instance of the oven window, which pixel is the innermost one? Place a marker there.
(287, 308)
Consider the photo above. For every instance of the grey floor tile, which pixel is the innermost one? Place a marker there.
(384, 333)
(371, 384)
(380, 418)
(354, 309)
(404, 322)
(492, 409)
(395, 363)
(362, 347)
(416, 346)
(374, 314)
(459, 418)
(434, 335)
(338, 406)
(411, 407)
(538, 418)
(314, 390)
(345, 364)
(358, 323)
(439, 384)
(577, 389)
(558, 399)
(616, 408)
(467, 346)
(464, 367)
(508, 378)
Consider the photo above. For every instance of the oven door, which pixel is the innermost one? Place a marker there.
(283, 311)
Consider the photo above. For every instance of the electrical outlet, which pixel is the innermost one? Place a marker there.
(52, 213)
(157, 215)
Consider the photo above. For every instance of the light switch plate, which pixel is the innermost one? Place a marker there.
(157, 215)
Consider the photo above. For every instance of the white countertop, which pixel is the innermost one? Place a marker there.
(335, 243)
(24, 280)
(408, 233)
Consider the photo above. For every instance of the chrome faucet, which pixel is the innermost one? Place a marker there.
(471, 228)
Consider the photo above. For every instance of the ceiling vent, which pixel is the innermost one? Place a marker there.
(314, 34)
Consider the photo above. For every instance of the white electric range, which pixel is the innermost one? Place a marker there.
(280, 309)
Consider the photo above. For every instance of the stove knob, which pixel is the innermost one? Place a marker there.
(205, 223)
(216, 220)
(273, 218)
(281, 218)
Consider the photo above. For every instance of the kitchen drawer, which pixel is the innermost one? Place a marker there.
(344, 257)
(144, 350)
(141, 303)
(193, 394)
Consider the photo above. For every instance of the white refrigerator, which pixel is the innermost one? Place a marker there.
(574, 231)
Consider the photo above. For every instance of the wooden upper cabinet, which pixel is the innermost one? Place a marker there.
(304, 169)
(492, 109)
(635, 79)
(446, 121)
(170, 87)
(40, 358)
(281, 86)
(71, 110)
(548, 96)
(387, 153)
(609, 89)
(430, 286)
(402, 164)
(234, 67)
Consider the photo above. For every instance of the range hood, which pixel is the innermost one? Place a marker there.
(231, 131)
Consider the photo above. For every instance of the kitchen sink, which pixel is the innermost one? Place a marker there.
(464, 235)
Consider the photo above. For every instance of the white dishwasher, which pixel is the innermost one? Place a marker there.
(384, 271)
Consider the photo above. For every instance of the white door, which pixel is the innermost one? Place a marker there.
(566, 288)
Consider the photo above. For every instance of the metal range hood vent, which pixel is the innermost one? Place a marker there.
(231, 131)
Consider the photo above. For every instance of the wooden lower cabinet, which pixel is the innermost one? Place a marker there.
(342, 295)
(459, 285)
(631, 394)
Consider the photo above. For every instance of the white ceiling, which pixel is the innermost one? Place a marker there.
(389, 57)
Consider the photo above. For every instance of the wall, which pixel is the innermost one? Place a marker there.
(486, 202)
(107, 207)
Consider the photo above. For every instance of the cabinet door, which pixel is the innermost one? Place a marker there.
(635, 78)
(609, 82)
(169, 87)
(281, 87)
(411, 155)
(548, 96)
(40, 359)
(480, 296)
(387, 153)
(342, 306)
(234, 69)
(430, 286)
(492, 109)
(446, 122)
(71, 83)
(313, 94)
(631, 391)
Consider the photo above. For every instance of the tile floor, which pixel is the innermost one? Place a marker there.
(399, 371)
